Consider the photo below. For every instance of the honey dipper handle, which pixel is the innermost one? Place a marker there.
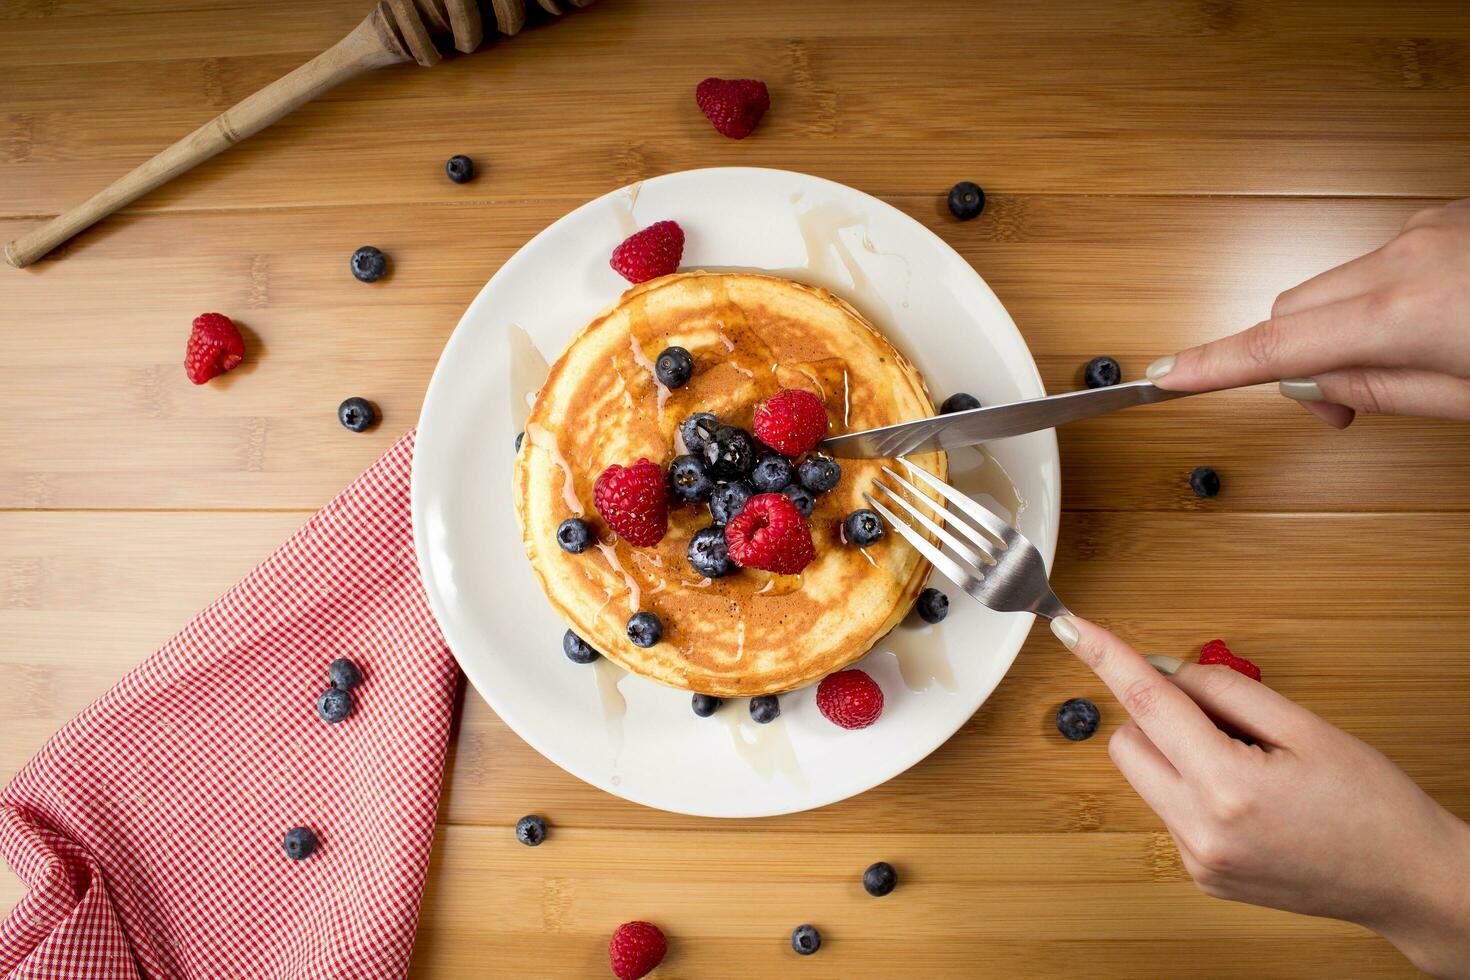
(370, 45)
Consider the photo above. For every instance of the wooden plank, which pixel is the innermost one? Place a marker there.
(81, 603)
(1023, 905)
(1130, 277)
(1124, 112)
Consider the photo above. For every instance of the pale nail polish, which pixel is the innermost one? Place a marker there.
(1159, 368)
(1066, 631)
(1302, 389)
(1163, 664)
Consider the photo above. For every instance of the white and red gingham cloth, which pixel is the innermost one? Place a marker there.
(150, 827)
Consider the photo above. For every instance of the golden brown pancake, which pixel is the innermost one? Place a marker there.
(750, 632)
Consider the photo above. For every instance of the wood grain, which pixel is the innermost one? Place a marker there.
(1157, 171)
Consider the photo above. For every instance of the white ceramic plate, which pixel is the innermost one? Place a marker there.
(620, 732)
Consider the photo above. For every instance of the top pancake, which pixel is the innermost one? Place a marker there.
(751, 632)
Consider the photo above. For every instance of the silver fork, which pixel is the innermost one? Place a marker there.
(1000, 567)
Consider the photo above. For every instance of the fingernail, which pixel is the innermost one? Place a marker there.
(1159, 368)
(1163, 664)
(1302, 389)
(1066, 631)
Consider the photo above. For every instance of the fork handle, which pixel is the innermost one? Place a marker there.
(1049, 607)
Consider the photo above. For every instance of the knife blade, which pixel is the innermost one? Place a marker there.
(997, 422)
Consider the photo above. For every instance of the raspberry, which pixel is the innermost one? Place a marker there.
(770, 534)
(634, 502)
(1216, 652)
(655, 251)
(791, 421)
(635, 949)
(733, 106)
(850, 699)
(215, 346)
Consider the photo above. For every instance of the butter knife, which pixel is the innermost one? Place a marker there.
(997, 422)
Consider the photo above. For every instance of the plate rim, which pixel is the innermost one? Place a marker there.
(457, 338)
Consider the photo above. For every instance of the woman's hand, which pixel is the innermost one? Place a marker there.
(1308, 818)
(1388, 332)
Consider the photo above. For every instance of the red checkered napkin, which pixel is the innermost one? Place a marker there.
(149, 828)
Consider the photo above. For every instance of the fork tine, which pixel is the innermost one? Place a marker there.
(968, 580)
(990, 550)
(986, 519)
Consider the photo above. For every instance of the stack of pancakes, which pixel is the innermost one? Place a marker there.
(751, 632)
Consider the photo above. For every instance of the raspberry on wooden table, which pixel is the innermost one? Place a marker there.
(1216, 652)
(733, 105)
(635, 949)
(215, 346)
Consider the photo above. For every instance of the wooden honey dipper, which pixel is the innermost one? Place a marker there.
(395, 31)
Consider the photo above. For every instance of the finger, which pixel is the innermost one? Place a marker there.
(1172, 722)
(1363, 330)
(1151, 775)
(1352, 278)
(1424, 216)
(1244, 705)
(1397, 391)
(1337, 416)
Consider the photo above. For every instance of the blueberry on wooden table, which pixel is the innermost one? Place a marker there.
(1102, 372)
(1204, 481)
(966, 200)
(531, 830)
(806, 940)
(1078, 719)
(880, 879)
(357, 414)
(369, 264)
(460, 168)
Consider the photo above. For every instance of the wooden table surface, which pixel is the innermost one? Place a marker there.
(1157, 172)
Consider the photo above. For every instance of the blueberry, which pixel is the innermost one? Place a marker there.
(696, 430)
(771, 473)
(729, 452)
(819, 474)
(519, 437)
(1102, 372)
(863, 527)
(689, 478)
(966, 200)
(460, 168)
(1078, 719)
(300, 843)
(765, 709)
(333, 705)
(1204, 481)
(578, 650)
(933, 606)
(705, 705)
(369, 264)
(357, 414)
(530, 830)
(344, 674)
(645, 629)
(674, 367)
(880, 879)
(806, 940)
(573, 535)
(960, 401)
(729, 499)
(802, 498)
(709, 554)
